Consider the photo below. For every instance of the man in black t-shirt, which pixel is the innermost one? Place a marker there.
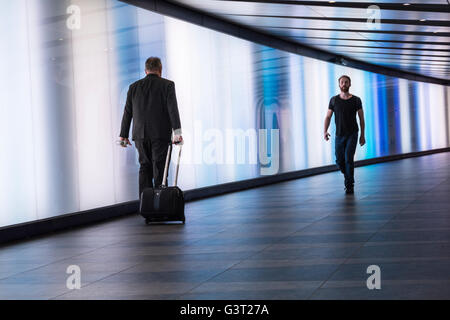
(345, 107)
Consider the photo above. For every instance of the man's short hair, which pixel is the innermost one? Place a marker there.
(153, 64)
(345, 76)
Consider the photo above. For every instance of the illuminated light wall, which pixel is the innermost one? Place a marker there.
(17, 167)
(63, 90)
(214, 82)
(297, 124)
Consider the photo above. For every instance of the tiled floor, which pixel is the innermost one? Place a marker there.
(302, 239)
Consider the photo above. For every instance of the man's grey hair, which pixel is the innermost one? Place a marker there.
(153, 64)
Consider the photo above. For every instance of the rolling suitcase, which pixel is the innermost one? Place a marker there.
(163, 203)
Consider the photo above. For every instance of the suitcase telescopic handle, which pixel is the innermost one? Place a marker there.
(166, 167)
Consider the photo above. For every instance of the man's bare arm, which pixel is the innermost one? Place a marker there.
(326, 135)
(362, 124)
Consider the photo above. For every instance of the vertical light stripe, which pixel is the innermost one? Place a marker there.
(437, 116)
(95, 137)
(421, 118)
(42, 135)
(376, 109)
(314, 111)
(447, 107)
(322, 107)
(17, 171)
(405, 110)
(296, 93)
(357, 88)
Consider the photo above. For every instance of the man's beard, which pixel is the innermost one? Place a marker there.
(344, 89)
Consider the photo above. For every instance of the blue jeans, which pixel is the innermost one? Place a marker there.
(345, 148)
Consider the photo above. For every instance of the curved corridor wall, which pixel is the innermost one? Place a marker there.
(65, 71)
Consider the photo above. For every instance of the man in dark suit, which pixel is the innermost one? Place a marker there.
(152, 104)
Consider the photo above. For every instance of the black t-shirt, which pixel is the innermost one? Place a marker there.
(345, 114)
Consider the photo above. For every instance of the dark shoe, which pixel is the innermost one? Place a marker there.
(349, 190)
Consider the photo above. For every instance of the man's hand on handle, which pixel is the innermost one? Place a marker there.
(178, 139)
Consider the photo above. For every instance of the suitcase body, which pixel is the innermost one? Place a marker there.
(163, 203)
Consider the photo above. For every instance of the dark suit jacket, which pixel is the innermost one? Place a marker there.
(152, 104)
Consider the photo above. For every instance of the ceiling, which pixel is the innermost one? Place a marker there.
(411, 35)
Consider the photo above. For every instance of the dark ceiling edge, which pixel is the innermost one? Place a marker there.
(211, 22)
(359, 5)
(411, 22)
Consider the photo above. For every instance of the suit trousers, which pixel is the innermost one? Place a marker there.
(152, 160)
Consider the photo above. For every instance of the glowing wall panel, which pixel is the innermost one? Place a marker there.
(17, 165)
(66, 69)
